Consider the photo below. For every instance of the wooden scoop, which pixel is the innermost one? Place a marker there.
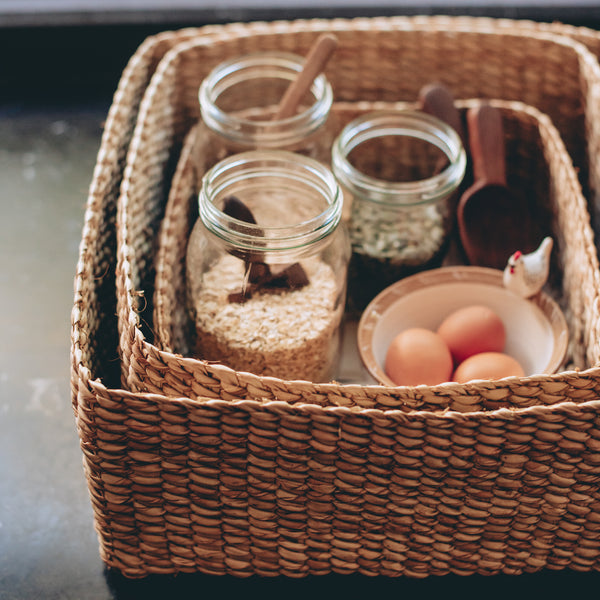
(493, 222)
(437, 100)
(315, 61)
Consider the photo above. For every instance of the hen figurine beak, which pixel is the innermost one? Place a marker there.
(513, 260)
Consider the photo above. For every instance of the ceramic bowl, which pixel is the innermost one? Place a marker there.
(536, 330)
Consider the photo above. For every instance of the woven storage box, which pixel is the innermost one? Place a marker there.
(330, 481)
(265, 487)
(170, 109)
(275, 487)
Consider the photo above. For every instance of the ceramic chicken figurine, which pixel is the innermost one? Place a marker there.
(526, 274)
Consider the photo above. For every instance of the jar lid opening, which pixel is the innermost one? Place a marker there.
(254, 124)
(296, 200)
(408, 124)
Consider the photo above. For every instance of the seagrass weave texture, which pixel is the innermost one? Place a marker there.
(243, 487)
(195, 467)
(170, 109)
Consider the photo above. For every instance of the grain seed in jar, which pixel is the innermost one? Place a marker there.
(401, 217)
(267, 266)
(291, 333)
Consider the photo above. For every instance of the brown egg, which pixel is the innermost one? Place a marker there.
(471, 330)
(487, 365)
(418, 356)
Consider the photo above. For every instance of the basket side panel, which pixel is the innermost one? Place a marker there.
(240, 489)
(94, 339)
(94, 331)
(173, 327)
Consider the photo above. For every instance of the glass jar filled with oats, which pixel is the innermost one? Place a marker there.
(239, 102)
(399, 170)
(266, 266)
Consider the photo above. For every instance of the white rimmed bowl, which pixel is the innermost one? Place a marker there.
(536, 330)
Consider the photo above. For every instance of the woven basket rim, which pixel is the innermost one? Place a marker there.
(284, 406)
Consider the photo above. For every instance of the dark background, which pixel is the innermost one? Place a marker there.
(57, 76)
(52, 58)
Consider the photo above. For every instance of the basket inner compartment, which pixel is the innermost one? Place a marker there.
(528, 174)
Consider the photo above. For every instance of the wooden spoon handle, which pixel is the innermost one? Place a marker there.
(437, 100)
(314, 63)
(486, 144)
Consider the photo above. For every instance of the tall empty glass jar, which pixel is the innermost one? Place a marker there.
(267, 264)
(238, 103)
(399, 170)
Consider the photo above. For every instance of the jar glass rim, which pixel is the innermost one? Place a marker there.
(259, 65)
(248, 168)
(410, 123)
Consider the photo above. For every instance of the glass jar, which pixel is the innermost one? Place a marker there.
(399, 170)
(238, 102)
(268, 296)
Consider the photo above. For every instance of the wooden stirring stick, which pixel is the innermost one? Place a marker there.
(314, 63)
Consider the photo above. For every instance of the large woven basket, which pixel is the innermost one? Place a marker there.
(252, 476)
(280, 488)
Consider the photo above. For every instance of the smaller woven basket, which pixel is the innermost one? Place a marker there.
(532, 163)
(300, 480)
(423, 49)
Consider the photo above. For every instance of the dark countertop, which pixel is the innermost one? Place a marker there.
(51, 115)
